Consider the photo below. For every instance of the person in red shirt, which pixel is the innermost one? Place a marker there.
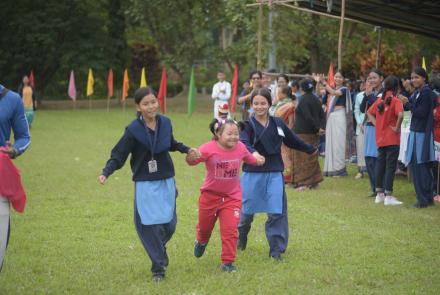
(435, 86)
(387, 115)
(221, 191)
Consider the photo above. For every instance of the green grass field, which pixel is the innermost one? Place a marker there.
(78, 237)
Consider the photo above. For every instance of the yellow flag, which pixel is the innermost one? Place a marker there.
(423, 63)
(90, 82)
(143, 78)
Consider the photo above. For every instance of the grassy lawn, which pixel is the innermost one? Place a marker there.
(78, 237)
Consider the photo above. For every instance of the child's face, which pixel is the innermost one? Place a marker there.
(148, 106)
(223, 116)
(229, 137)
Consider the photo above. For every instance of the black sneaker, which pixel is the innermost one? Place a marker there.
(242, 242)
(228, 267)
(158, 277)
(276, 257)
(199, 249)
(419, 206)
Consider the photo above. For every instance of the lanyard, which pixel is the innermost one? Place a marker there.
(152, 142)
(255, 128)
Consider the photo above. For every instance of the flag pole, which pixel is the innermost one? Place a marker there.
(341, 31)
(108, 103)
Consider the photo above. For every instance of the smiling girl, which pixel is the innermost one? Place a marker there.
(149, 139)
(263, 187)
(221, 192)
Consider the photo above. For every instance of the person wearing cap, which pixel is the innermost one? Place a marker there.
(221, 92)
(223, 111)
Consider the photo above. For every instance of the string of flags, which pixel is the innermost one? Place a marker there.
(72, 92)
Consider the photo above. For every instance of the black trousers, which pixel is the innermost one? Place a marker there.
(370, 162)
(385, 168)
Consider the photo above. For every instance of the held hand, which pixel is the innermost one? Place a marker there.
(368, 89)
(403, 99)
(321, 132)
(260, 160)
(102, 179)
(10, 150)
(395, 129)
(361, 127)
(193, 155)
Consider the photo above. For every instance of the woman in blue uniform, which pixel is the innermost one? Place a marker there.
(373, 90)
(263, 186)
(420, 150)
(149, 139)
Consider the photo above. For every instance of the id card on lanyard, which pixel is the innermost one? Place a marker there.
(152, 164)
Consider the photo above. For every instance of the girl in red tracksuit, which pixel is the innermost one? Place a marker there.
(221, 191)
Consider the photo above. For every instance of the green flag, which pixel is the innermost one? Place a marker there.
(191, 94)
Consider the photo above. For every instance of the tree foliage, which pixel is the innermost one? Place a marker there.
(53, 37)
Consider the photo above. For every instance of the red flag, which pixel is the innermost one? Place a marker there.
(163, 91)
(234, 88)
(110, 83)
(330, 75)
(31, 79)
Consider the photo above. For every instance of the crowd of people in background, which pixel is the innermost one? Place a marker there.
(357, 122)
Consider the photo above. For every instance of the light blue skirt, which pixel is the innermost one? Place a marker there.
(416, 139)
(156, 200)
(262, 192)
(370, 146)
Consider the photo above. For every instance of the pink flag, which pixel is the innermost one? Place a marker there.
(234, 88)
(72, 88)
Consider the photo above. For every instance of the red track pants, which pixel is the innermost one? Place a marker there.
(211, 207)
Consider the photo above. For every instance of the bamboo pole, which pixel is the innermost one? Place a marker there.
(260, 35)
(379, 41)
(341, 31)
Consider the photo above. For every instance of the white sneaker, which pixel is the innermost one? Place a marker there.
(390, 200)
(380, 198)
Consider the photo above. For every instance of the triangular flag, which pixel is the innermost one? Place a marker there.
(31, 79)
(110, 83)
(125, 85)
(143, 79)
(162, 96)
(330, 76)
(72, 89)
(423, 63)
(234, 89)
(191, 93)
(90, 82)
